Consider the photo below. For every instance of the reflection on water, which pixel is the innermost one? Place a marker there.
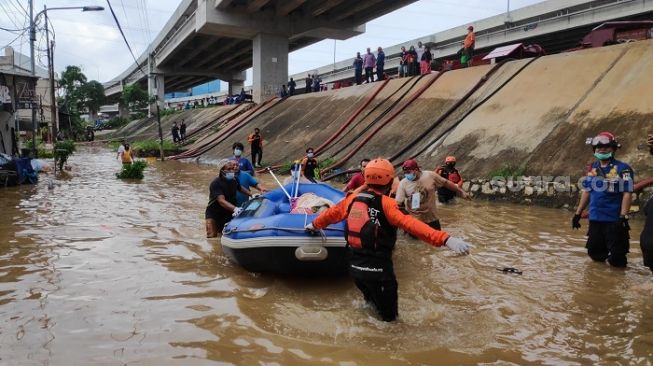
(101, 271)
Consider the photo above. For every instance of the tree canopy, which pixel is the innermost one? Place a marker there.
(135, 97)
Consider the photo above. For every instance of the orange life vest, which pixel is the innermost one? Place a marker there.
(367, 228)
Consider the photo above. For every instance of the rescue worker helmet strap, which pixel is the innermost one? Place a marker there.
(379, 172)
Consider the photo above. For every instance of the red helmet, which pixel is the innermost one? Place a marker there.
(605, 139)
(450, 159)
(410, 165)
(379, 172)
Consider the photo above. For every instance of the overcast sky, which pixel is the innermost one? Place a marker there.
(92, 40)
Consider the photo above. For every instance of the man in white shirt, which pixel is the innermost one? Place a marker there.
(420, 51)
(417, 193)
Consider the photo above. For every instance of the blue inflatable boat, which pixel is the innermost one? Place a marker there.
(267, 237)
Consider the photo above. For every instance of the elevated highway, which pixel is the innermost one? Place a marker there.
(556, 25)
(219, 39)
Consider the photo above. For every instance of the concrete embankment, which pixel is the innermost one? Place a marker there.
(531, 116)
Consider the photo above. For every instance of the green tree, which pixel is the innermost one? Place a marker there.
(94, 98)
(134, 97)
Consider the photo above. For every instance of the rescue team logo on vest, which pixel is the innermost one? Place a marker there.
(366, 225)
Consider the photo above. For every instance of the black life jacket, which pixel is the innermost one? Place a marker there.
(450, 174)
(367, 230)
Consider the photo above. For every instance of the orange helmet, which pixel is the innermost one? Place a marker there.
(450, 159)
(379, 172)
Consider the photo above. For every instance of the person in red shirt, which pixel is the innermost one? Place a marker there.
(357, 179)
(372, 222)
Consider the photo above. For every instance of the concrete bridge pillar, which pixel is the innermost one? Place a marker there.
(270, 64)
(236, 83)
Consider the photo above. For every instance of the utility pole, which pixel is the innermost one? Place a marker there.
(53, 101)
(32, 39)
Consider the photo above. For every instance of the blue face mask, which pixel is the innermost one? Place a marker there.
(238, 152)
(230, 175)
(410, 176)
(603, 156)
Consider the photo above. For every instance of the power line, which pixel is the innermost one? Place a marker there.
(123, 37)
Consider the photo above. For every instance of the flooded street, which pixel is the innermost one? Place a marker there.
(98, 271)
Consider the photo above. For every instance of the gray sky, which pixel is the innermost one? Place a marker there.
(92, 40)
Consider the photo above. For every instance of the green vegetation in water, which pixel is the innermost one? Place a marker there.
(45, 153)
(132, 171)
(62, 151)
(509, 171)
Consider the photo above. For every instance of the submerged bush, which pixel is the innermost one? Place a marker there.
(132, 171)
(63, 150)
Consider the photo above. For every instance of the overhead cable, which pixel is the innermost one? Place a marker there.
(124, 38)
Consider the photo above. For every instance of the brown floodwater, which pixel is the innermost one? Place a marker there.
(98, 271)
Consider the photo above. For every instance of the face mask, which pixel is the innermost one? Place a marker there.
(603, 156)
(238, 152)
(310, 155)
(451, 165)
(230, 175)
(410, 176)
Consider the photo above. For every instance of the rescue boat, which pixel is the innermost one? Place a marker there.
(268, 234)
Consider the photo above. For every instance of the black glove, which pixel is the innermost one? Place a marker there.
(575, 222)
(623, 221)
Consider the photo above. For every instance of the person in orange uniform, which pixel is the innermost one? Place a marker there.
(468, 46)
(127, 155)
(448, 171)
(372, 222)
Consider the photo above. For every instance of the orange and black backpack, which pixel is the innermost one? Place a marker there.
(367, 228)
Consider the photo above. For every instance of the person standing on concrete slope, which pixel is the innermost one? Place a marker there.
(646, 237)
(243, 164)
(368, 63)
(372, 221)
(309, 165)
(380, 63)
(449, 172)
(417, 193)
(255, 141)
(412, 62)
(358, 68)
(246, 181)
(419, 50)
(283, 93)
(175, 133)
(222, 198)
(182, 131)
(403, 62)
(607, 189)
(317, 82)
(309, 83)
(357, 179)
(425, 61)
(291, 87)
(468, 47)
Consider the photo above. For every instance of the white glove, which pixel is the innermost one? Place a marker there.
(459, 246)
(237, 211)
(310, 228)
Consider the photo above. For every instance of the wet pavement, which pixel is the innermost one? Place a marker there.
(98, 271)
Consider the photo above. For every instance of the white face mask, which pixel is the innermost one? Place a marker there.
(310, 155)
(238, 152)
